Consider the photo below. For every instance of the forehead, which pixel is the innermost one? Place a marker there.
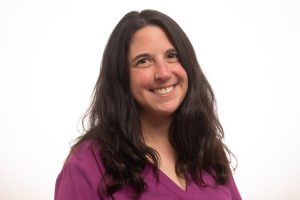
(149, 38)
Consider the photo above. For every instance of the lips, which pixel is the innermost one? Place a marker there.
(164, 91)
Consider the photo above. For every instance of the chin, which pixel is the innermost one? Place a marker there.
(166, 113)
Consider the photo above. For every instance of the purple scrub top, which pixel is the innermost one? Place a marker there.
(83, 170)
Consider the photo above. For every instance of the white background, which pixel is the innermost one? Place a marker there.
(50, 53)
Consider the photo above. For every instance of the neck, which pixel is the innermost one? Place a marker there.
(155, 128)
(156, 135)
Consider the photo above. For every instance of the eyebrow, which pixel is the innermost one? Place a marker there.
(140, 56)
(171, 50)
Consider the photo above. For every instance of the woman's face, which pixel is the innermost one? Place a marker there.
(158, 82)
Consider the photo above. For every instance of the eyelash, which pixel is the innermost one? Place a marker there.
(142, 61)
(172, 55)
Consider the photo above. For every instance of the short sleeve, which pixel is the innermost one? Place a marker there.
(234, 190)
(80, 176)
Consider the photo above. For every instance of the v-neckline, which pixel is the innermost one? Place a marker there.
(171, 185)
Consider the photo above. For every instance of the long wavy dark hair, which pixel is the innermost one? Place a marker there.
(114, 121)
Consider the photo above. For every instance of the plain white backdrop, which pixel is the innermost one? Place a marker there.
(50, 53)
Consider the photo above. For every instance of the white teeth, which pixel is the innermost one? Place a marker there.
(164, 91)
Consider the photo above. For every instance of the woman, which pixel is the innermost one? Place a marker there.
(153, 131)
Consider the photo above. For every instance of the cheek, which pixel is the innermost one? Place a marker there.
(140, 76)
(139, 81)
(182, 74)
(184, 79)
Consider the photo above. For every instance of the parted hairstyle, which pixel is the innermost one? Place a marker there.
(114, 121)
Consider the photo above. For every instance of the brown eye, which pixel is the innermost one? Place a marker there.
(173, 55)
(143, 62)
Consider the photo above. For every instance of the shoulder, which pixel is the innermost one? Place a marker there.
(228, 190)
(233, 189)
(81, 173)
(87, 154)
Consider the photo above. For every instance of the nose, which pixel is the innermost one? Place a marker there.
(162, 72)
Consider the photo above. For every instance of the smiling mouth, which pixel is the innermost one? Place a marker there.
(164, 91)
